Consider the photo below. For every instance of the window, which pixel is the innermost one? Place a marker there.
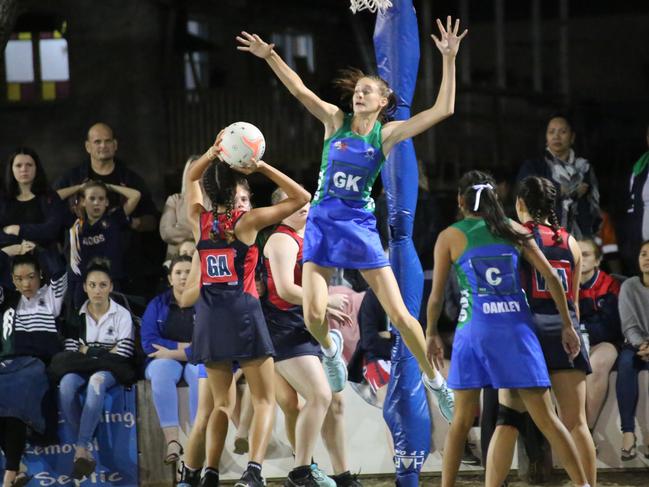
(296, 49)
(196, 58)
(36, 66)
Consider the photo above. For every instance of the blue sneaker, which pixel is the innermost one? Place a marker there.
(321, 478)
(444, 396)
(335, 367)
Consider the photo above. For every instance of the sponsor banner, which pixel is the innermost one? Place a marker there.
(114, 448)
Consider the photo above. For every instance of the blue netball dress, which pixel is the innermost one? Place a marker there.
(494, 343)
(285, 320)
(547, 320)
(229, 323)
(341, 228)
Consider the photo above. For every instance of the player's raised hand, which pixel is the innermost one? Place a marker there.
(448, 42)
(254, 44)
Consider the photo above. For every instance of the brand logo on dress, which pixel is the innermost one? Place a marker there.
(369, 153)
(340, 145)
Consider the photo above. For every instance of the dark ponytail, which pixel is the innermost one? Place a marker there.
(346, 84)
(220, 183)
(475, 183)
(97, 264)
(540, 195)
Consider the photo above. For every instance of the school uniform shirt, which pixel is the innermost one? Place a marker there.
(103, 239)
(29, 326)
(114, 329)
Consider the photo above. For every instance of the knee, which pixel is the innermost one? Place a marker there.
(314, 314)
(67, 386)
(337, 404)
(96, 384)
(322, 399)
(510, 417)
(463, 420)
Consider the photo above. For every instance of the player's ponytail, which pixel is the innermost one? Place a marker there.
(539, 195)
(478, 191)
(220, 183)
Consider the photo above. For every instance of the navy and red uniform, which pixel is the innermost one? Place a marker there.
(598, 309)
(547, 321)
(285, 320)
(229, 323)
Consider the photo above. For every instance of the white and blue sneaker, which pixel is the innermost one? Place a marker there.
(444, 396)
(335, 367)
(320, 477)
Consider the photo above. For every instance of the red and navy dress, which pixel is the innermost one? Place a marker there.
(546, 317)
(229, 323)
(285, 320)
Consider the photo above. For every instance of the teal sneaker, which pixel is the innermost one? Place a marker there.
(444, 396)
(321, 478)
(335, 367)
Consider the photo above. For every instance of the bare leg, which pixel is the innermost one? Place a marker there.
(315, 289)
(569, 387)
(245, 413)
(260, 376)
(539, 405)
(195, 448)
(223, 396)
(289, 403)
(384, 285)
(602, 359)
(466, 402)
(306, 376)
(503, 442)
(333, 434)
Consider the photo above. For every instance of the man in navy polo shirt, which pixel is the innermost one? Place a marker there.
(145, 250)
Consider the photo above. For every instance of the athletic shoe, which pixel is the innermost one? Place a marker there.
(321, 478)
(83, 467)
(210, 479)
(250, 479)
(188, 478)
(335, 367)
(444, 396)
(468, 457)
(346, 479)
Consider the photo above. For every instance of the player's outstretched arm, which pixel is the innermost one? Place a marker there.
(330, 115)
(259, 218)
(448, 44)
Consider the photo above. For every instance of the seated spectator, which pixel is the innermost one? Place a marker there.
(174, 222)
(144, 250)
(187, 247)
(371, 359)
(574, 177)
(29, 340)
(166, 337)
(636, 224)
(99, 233)
(30, 211)
(600, 325)
(99, 351)
(634, 357)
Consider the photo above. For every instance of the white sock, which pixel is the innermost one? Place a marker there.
(330, 351)
(436, 382)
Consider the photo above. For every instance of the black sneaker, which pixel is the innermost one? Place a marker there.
(346, 479)
(210, 479)
(250, 479)
(308, 481)
(188, 478)
(468, 457)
